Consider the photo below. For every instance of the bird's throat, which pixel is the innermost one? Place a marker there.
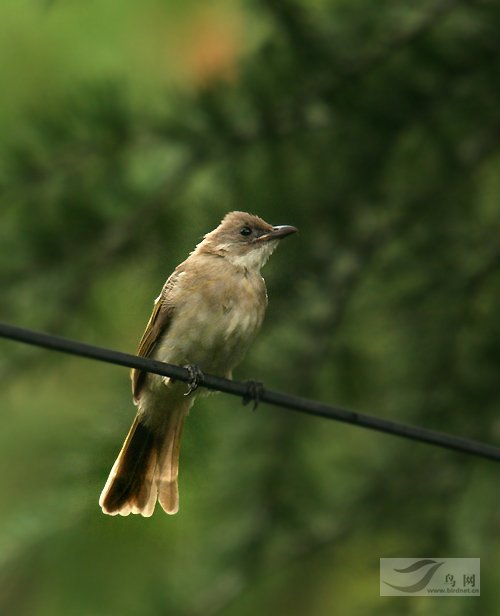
(254, 259)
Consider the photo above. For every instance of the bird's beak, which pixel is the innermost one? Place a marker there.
(278, 233)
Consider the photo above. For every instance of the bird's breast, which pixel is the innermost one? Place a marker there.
(215, 322)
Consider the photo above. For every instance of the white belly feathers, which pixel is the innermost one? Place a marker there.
(216, 324)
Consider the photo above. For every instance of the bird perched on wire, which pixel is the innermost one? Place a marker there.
(205, 317)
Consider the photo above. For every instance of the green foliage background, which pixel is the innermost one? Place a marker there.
(128, 132)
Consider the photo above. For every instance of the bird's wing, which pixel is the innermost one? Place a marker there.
(158, 325)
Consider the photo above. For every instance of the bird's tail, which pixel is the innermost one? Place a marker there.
(147, 467)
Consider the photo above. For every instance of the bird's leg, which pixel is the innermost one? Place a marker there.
(195, 377)
(254, 392)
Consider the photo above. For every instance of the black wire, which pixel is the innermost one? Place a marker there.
(248, 390)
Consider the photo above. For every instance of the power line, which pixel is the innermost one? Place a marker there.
(250, 390)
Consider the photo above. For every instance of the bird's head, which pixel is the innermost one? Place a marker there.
(245, 240)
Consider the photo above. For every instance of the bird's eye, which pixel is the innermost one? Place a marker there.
(246, 231)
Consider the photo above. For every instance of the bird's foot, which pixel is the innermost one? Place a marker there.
(195, 378)
(254, 392)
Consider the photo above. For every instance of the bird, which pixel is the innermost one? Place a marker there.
(205, 318)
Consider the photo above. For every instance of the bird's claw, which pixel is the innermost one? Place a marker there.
(254, 392)
(195, 378)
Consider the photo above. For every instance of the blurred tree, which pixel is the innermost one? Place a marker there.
(374, 129)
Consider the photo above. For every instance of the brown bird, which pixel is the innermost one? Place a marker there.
(206, 315)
